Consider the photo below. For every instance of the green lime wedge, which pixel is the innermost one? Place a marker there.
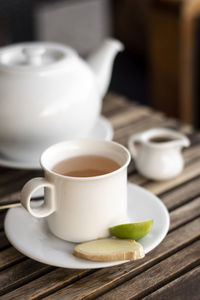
(133, 231)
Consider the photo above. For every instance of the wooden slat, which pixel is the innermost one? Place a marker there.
(138, 179)
(191, 171)
(147, 122)
(11, 175)
(105, 279)
(131, 115)
(140, 125)
(191, 152)
(158, 275)
(185, 287)
(184, 128)
(16, 184)
(125, 117)
(131, 167)
(9, 256)
(43, 285)
(21, 273)
(10, 197)
(3, 241)
(194, 137)
(185, 213)
(181, 194)
(114, 103)
(12, 187)
(3, 171)
(2, 216)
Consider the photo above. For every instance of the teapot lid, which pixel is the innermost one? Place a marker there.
(34, 56)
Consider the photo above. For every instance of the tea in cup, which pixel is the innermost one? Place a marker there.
(85, 184)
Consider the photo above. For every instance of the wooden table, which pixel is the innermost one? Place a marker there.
(170, 271)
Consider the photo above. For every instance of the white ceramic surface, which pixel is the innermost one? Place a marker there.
(102, 131)
(79, 209)
(32, 237)
(48, 93)
(158, 161)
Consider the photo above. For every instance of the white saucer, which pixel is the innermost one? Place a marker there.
(32, 237)
(102, 131)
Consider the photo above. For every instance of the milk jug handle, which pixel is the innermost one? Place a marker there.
(131, 143)
(184, 141)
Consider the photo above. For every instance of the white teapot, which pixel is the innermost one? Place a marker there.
(160, 156)
(49, 94)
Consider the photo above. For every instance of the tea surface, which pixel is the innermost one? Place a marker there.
(161, 139)
(86, 166)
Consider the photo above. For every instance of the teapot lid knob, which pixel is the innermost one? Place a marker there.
(34, 54)
(35, 57)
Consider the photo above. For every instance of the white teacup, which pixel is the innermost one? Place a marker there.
(81, 208)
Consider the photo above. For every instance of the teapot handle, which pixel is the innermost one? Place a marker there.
(131, 144)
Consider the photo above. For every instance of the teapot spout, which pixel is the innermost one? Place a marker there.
(101, 62)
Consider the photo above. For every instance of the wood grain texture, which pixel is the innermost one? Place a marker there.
(158, 275)
(46, 284)
(113, 103)
(9, 198)
(138, 179)
(187, 285)
(141, 124)
(123, 135)
(15, 185)
(4, 243)
(11, 175)
(2, 217)
(132, 115)
(194, 137)
(191, 171)
(191, 153)
(107, 278)
(21, 273)
(185, 213)
(123, 121)
(9, 256)
(3, 170)
(181, 194)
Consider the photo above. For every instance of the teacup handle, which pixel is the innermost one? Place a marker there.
(29, 188)
(131, 144)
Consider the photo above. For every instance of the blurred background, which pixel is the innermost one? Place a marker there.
(160, 65)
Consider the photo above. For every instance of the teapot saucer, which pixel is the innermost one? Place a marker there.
(102, 131)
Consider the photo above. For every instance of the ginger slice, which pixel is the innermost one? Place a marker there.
(110, 249)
